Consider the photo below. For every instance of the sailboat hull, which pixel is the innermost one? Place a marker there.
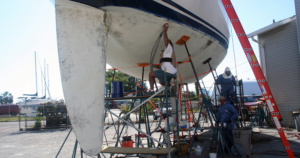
(124, 32)
(134, 26)
(133, 33)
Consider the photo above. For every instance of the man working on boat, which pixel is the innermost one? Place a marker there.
(227, 81)
(167, 61)
(227, 115)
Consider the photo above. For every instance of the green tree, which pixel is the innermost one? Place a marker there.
(6, 97)
(129, 82)
(193, 95)
(197, 88)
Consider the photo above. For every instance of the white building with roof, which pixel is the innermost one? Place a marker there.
(280, 61)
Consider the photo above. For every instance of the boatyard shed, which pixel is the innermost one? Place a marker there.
(280, 61)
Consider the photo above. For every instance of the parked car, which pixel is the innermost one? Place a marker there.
(163, 112)
(250, 105)
(12, 109)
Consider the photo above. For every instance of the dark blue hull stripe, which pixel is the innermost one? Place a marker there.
(162, 11)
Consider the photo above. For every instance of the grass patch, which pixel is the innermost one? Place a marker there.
(16, 118)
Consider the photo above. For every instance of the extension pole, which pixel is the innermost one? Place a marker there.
(204, 98)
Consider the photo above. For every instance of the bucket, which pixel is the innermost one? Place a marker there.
(184, 125)
(171, 121)
(243, 138)
(127, 142)
(117, 89)
(198, 150)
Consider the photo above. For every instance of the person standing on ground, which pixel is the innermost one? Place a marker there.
(227, 115)
(260, 116)
(227, 81)
(167, 61)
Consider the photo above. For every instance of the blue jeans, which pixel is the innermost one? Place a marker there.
(159, 74)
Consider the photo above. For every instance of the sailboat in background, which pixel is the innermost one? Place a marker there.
(29, 103)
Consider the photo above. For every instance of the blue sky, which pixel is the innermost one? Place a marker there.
(254, 15)
(28, 26)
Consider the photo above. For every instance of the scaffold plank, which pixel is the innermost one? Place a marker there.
(127, 150)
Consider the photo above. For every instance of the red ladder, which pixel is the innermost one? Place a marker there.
(261, 80)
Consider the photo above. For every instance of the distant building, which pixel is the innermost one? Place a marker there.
(280, 62)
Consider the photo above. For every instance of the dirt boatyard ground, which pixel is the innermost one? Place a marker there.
(14, 143)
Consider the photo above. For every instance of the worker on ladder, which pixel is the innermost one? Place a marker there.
(227, 81)
(167, 61)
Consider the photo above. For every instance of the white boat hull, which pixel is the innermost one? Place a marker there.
(126, 35)
(131, 43)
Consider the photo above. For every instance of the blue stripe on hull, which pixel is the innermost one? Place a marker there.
(162, 11)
